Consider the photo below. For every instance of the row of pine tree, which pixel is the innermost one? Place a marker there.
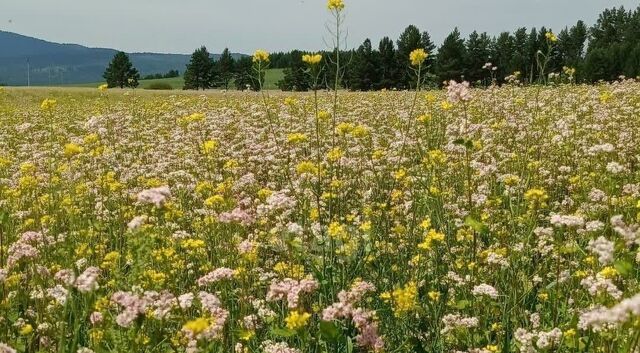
(607, 50)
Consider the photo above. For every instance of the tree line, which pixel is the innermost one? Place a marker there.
(203, 72)
(605, 51)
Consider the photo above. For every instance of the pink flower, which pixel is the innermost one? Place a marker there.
(290, 289)
(95, 318)
(156, 196)
(88, 280)
(216, 275)
(457, 92)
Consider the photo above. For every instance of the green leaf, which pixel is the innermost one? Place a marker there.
(283, 332)
(475, 225)
(329, 331)
(623, 267)
(349, 345)
(581, 344)
(462, 304)
(459, 141)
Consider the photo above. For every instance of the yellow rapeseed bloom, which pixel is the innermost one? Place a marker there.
(335, 5)
(297, 320)
(26, 329)
(418, 56)
(261, 56)
(608, 272)
(312, 59)
(335, 154)
(551, 37)
(323, 115)
(103, 87)
(48, 104)
(431, 237)
(208, 147)
(196, 326)
(306, 167)
(404, 299)
(434, 296)
(337, 230)
(296, 137)
(71, 149)
(537, 198)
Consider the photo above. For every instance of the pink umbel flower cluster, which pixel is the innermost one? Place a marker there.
(137, 222)
(458, 92)
(132, 306)
(27, 247)
(277, 347)
(156, 196)
(290, 290)
(363, 320)
(601, 318)
(87, 281)
(4, 348)
(237, 215)
(216, 275)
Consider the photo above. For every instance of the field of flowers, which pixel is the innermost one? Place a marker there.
(496, 220)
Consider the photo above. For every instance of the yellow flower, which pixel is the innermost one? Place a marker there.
(71, 149)
(103, 87)
(335, 154)
(608, 272)
(306, 167)
(537, 198)
(323, 115)
(214, 201)
(48, 104)
(312, 59)
(247, 335)
(424, 118)
(418, 56)
(260, 56)
(335, 5)
(492, 348)
(551, 37)
(431, 237)
(404, 299)
(196, 326)
(4, 162)
(296, 138)
(337, 230)
(26, 329)
(434, 296)
(208, 147)
(297, 320)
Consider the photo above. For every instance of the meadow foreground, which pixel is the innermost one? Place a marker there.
(497, 220)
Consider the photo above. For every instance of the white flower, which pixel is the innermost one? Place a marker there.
(485, 289)
(603, 248)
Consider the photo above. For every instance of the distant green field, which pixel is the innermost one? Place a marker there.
(271, 79)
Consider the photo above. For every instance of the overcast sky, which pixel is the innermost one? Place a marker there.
(179, 26)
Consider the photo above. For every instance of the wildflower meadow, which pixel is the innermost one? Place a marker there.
(503, 219)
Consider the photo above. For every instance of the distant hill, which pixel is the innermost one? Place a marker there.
(57, 64)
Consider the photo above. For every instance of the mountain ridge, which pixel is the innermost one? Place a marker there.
(52, 63)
